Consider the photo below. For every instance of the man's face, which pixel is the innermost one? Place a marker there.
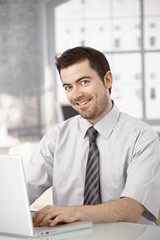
(86, 92)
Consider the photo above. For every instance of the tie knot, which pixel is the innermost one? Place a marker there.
(92, 134)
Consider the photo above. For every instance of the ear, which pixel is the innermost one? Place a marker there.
(108, 79)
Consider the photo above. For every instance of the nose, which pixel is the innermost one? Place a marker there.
(77, 93)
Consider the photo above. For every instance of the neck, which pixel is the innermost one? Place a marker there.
(109, 108)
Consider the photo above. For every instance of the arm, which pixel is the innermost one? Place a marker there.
(124, 209)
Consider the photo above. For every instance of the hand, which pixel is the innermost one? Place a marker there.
(52, 215)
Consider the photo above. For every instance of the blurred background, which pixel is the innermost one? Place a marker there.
(32, 32)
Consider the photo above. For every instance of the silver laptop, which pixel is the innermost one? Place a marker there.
(15, 214)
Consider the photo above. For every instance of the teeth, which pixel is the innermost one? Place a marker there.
(82, 103)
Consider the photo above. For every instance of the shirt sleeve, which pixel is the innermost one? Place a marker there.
(38, 170)
(143, 177)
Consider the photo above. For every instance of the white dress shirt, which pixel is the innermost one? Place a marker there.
(129, 162)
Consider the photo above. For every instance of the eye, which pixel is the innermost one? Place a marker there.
(84, 82)
(67, 88)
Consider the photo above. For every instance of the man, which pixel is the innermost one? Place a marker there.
(128, 155)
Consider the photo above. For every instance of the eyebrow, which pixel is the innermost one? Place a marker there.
(78, 80)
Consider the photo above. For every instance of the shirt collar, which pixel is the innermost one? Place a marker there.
(105, 126)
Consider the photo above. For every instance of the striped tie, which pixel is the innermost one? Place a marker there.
(92, 181)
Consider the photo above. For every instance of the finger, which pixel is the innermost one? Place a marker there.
(37, 219)
(62, 218)
(40, 214)
(56, 221)
(46, 219)
(40, 219)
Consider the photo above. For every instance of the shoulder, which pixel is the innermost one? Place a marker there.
(135, 128)
(69, 125)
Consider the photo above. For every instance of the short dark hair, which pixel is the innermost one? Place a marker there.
(97, 59)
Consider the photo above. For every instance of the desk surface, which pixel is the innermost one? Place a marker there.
(108, 231)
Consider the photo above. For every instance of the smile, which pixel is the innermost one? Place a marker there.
(82, 103)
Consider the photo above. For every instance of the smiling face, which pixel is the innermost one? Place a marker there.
(86, 92)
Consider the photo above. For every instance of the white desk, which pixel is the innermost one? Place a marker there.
(110, 231)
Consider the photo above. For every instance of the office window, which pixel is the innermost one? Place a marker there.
(128, 33)
(19, 72)
(152, 86)
(117, 43)
(31, 33)
(152, 41)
